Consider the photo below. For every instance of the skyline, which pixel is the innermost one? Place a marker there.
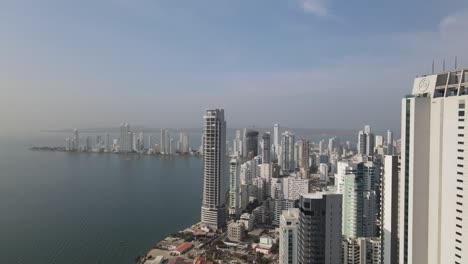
(70, 64)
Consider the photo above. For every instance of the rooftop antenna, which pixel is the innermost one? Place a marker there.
(455, 62)
(432, 66)
(443, 69)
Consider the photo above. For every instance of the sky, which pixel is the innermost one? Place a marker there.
(161, 63)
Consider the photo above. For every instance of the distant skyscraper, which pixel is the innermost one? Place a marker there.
(362, 143)
(303, 159)
(76, 140)
(108, 143)
(390, 147)
(319, 232)
(433, 191)
(266, 148)
(125, 139)
(213, 211)
(237, 144)
(163, 142)
(276, 137)
(171, 146)
(234, 187)
(251, 143)
(322, 147)
(332, 144)
(286, 161)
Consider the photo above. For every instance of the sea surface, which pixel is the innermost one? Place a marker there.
(58, 207)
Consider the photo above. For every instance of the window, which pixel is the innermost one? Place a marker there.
(460, 158)
(461, 119)
(460, 188)
(461, 135)
(461, 127)
(459, 173)
(459, 203)
(460, 165)
(461, 150)
(461, 105)
(459, 226)
(459, 218)
(460, 181)
(461, 113)
(459, 196)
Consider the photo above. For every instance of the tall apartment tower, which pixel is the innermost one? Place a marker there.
(389, 232)
(286, 161)
(433, 191)
(288, 239)
(251, 143)
(213, 210)
(319, 233)
(76, 140)
(362, 143)
(266, 148)
(276, 137)
(390, 147)
(234, 187)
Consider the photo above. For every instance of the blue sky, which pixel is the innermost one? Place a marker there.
(160, 63)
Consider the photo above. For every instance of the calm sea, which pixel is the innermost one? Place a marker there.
(90, 208)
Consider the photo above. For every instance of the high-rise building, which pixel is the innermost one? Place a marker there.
(286, 161)
(361, 250)
(359, 182)
(76, 140)
(125, 140)
(332, 144)
(362, 143)
(163, 146)
(213, 210)
(389, 232)
(276, 137)
(319, 232)
(390, 147)
(289, 223)
(251, 143)
(234, 187)
(266, 147)
(303, 159)
(433, 222)
(237, 144)
(108, 143)
(322, 147)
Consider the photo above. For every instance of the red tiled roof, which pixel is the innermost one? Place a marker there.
(184, 247)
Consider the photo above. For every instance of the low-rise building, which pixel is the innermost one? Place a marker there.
(183, 248)
(248, 220)
(236, 231)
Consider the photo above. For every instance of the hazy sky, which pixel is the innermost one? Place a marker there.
(160, 63)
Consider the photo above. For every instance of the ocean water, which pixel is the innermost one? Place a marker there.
(90, 208)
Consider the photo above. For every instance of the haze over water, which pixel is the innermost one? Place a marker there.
(90, 208)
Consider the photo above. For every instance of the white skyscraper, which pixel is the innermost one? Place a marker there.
(164, 141)
(433, 222)
(234, 187)
(289, 223)
(215, 183)
(390, 147)
(276, 137)
(322, 147)
(389, 232)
